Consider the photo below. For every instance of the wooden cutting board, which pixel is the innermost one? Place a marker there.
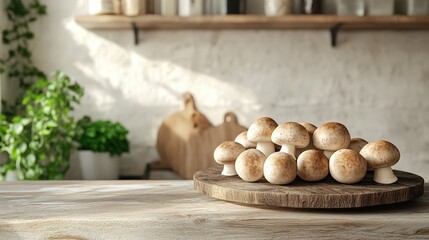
(176, 131)
(300, 194)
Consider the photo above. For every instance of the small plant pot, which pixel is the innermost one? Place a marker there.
(11, 176)
(98, 166)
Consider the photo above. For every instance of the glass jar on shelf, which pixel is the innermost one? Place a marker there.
(417, 7)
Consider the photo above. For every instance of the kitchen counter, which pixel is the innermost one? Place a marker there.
(173, 210)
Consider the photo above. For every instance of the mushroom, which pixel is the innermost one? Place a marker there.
(331, 137)
(250, 165)
(356, 144)
(312, 165)
(242, 139)
(226, 154)
(310, 129)
(280, 168)
(381, 155)
(260, 132)
(290, 135)
(347, 166)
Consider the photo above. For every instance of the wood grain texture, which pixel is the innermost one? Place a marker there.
(300, 194)
(174, 210)
(254, 22)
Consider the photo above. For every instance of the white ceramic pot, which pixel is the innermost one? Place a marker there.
(11, 176)
(98, 166)
(191, 8)
(100, 7)
(131, 7)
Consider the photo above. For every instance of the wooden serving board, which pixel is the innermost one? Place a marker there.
(300, 194)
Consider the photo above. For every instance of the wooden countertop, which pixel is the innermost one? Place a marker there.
(174, 210)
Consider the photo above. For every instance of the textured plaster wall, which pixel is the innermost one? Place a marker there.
(375, 82)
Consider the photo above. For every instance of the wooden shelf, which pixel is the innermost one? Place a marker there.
(333, 23)
(148, 22)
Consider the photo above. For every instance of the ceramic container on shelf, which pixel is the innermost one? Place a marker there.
(167, 7)
(130, 7)
(417, 7)
(380, 7)
(311, 6)
(11, 176)
(223, 7)
(351, 7)
(278, 7)
(98, 166)
(102, 7)
(191, 8)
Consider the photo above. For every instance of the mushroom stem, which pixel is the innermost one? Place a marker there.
(384, 175)
(266, 148)
(229, 169)
(328, 154)
(288, 148)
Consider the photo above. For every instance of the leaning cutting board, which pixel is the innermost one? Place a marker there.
(175, 132)
(300, 194)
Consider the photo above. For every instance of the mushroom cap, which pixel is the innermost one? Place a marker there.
(312, 165)
(380, 154)
(347, 166)
(242, 139)
(331, 136)
(227, 152)
(356, 144)
(291, 133)
(310, 127)
(280, 168)
(261, 129)
(250, 165)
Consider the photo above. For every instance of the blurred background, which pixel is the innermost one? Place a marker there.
(373, 81)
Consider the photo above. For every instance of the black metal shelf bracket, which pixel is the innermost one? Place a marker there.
(334, 32)
(136, 33)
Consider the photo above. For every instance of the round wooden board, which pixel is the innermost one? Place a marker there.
(301, 194)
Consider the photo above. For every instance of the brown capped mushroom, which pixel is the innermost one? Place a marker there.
(347, 166)
(331, 137)
(312, 165)
(250, 165)
(381, 155)
(280, 168)
(242, 139)
(260, 132)
(356, 144)
(290, 135)
(226, 154)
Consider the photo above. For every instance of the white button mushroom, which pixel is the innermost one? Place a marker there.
(331, 137)
(250, 165)
(347, 166)
(226, 154)
(290, 135)
(312, 165)
(242, 139)
(280, 168)
(381, 155)
(260, 132)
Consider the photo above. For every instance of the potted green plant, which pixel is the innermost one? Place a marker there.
(39, 142)
(100, 145)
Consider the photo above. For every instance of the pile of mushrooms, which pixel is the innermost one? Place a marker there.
(307, 151)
